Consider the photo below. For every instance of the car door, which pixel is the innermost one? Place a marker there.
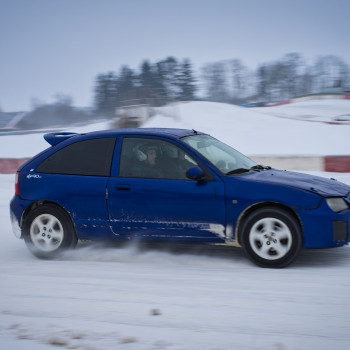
(159, 200)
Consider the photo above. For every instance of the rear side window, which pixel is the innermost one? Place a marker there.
(90, 157)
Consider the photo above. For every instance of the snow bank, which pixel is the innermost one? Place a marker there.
(254, 131)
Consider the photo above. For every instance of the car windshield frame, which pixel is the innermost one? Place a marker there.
(224, 158)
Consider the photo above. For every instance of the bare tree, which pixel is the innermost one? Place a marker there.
(330, 71)
(215, 82)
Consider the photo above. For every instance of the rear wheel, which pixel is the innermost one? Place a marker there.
(271, 237)
(48, 231)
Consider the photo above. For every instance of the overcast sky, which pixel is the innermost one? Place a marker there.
(50, 47)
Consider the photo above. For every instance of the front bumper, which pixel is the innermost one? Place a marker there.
(324, 228)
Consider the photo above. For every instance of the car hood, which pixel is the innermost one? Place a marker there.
(316, 184)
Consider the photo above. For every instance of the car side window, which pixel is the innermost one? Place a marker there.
(89, 157)
(153, 158)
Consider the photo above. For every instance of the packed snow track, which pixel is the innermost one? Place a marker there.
(151, 298)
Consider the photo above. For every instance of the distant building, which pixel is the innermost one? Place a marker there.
(337, 88)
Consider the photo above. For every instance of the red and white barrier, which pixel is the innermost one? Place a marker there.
(339, 164)
(311, 97)
(10, 165)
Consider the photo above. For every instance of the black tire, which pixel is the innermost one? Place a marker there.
(48, 231)
(271, 237)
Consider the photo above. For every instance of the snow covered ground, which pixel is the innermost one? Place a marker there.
(252, 131)
(255, 133)
(132, 298)
(141, 298)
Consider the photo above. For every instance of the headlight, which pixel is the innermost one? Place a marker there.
(337, 204)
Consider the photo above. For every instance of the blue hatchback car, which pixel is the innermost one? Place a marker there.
(172, 185)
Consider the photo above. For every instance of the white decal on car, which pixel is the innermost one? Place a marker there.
(35, 176)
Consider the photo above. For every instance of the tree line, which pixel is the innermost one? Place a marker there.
(158, 83)
(170, 80)
(229, 81)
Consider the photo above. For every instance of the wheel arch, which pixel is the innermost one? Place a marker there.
(248, 211)
(41, 203)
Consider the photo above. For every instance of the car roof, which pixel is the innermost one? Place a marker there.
(176, 133)
(58, 137)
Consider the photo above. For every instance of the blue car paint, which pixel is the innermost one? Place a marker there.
(310, 208)
(157, 207)
(116, 207)
(319, 185)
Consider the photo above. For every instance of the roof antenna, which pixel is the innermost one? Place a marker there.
(196, 132)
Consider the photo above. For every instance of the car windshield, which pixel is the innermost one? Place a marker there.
(223, 157)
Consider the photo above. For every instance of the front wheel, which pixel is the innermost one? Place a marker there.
(271, 237)
(48, 231)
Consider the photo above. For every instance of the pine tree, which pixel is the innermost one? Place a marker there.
(169, 71)
(146, 76)
(126, 85)
(106, 93)
(160, 83)
(186, 82)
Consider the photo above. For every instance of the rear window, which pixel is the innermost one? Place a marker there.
(90, 157)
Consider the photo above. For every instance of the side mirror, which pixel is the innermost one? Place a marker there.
(195, 173)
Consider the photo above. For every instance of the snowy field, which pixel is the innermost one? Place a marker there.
(133, 298)
(249, 130)
(140, 298)
(255, 133)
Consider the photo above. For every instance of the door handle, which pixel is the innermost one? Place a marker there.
(122, 187)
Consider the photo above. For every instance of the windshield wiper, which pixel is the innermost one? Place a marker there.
(238, 171)
(244, 170)
(260, 167)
